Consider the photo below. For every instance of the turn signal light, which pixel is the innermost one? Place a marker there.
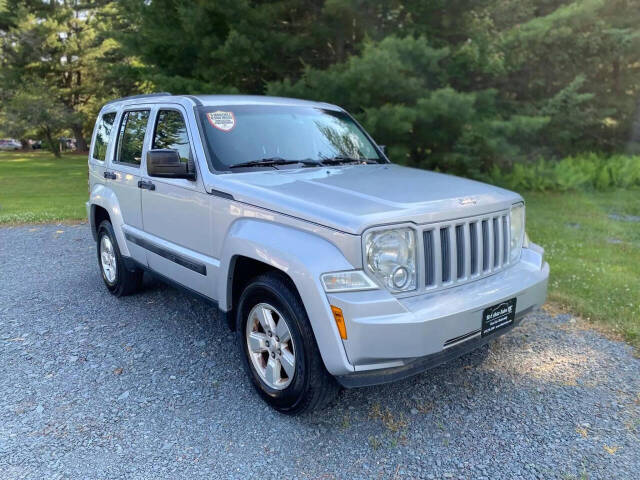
(339, 318)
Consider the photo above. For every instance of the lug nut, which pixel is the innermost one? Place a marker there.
(279, 352)
(266, 342)
(273, 354)
(270, 334)
(277, 339)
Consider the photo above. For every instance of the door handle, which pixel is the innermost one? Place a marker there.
(110, 175)
(146, 185)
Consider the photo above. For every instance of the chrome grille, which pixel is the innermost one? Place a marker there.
(459, 251)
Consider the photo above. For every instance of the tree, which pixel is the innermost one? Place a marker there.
(448, 84)
(400, 89)
(32, 112)
(240, 45)
(578, 63)
(63, 48)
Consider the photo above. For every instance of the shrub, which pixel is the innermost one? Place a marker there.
(583, 172)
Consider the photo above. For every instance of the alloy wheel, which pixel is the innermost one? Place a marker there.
(270, 346)
(108, 259)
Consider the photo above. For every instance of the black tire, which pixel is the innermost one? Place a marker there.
(312, 387)
(127, 281)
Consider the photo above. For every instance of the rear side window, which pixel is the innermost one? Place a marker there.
(102, 136)
(131, 137)
(171, 133)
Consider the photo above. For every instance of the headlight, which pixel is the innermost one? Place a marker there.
(347, 281)
(390, 256)
(517, 231)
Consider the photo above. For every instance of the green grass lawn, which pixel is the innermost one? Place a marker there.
(595, 259)
(37, 187)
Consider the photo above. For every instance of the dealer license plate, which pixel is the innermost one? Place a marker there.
(499, 316)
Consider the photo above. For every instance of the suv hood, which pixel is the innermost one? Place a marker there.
(354, 197)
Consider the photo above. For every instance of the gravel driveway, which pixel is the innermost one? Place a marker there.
(150, 386)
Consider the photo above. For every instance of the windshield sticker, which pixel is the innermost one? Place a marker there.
(224, 121)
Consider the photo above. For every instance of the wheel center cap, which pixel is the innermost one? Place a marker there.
(274, 348)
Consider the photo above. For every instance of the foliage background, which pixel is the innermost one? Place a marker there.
(470, 87)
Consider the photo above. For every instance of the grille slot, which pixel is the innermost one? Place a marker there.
(457, 252)
(429, 259)
(473, 240)
(505, 240)
(485, 245)
(496, 242)
(460, 250)
(446, 255)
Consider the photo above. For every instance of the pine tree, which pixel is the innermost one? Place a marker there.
(62, 50)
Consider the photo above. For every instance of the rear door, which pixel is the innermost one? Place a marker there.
(125, 175)
(176, 211)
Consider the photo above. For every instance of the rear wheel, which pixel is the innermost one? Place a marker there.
(118, 279)
(278, 347)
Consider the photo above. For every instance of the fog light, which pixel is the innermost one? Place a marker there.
(339, 318)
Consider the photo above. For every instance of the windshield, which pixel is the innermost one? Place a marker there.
(254, 133)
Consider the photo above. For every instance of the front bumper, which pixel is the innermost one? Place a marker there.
(391, 338)
(413, 367)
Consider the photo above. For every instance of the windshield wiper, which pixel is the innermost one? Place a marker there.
(273, 161)
(341, 159)
(307, 162)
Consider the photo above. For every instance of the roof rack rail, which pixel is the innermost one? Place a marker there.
(144, 95)
(195, 99)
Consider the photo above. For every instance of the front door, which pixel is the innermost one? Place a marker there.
(124, 173)
(175, 212)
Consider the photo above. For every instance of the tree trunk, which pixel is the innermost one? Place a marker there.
(340, 47)
(616, 76)
(53, 145)
(25, 144)
(81, 143)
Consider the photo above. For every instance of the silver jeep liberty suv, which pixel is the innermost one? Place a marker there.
(334, 266)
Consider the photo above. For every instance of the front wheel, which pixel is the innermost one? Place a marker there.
(279, 349)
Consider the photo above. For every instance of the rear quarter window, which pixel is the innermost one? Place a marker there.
(105, 126)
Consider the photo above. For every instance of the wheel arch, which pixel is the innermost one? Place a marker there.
(96, 216)
(242, 270)
(254, 246)
(104, 201)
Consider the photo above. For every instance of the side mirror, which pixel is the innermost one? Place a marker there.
(383, 148)
(166, 163)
